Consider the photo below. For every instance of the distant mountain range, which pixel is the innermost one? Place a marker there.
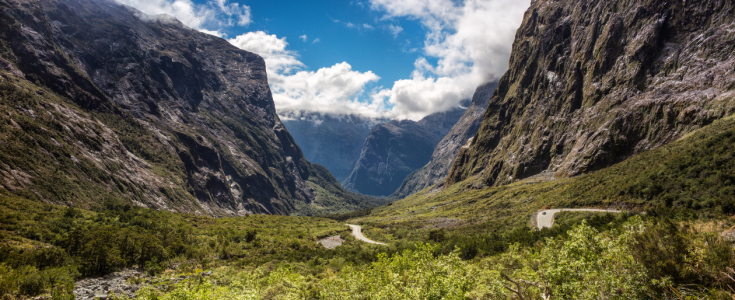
(394, 149)
(334, 141)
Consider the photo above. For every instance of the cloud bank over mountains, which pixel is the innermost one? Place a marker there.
(469, 41)
(208, 18)
(333, 90)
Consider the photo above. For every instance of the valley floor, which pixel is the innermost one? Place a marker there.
(456, 243)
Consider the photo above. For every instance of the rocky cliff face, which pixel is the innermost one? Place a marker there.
(446, 150)
(592, 83)
(395, 149)
(333, 141)
(103, 103)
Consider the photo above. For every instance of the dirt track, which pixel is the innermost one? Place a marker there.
(545, 218)
(357, 232)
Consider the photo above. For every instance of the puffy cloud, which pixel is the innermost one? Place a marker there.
(209, 18)
(334, 90)
(304, 38)
(420, 96)
(471, 41)
(271, 48)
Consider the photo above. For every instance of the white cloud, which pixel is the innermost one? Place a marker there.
(304, 38)
(328, 90)
(367, 26)
(471, 41)
(316, 40)
(332, 90)
(209, 18)
(271, 48)
(395, 30)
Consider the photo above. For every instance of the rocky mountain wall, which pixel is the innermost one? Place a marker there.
(104, 103)
(592, 83)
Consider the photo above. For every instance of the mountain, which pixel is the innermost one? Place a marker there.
(333, 141)
(395, 149)
(444, 153)
(592, 83)
(102, 103)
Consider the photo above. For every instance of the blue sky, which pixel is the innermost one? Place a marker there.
(400, 59)
(366, 49)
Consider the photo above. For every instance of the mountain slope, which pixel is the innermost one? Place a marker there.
(445, 152)
(693, 174)
(395, 149)
(592, 83)
(104, 103)
(334, 141)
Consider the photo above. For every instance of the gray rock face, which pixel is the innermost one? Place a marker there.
(333, 141)
(142, 109)
(331, 242)
(444, 153)
(104, 287)
(395, 149)
(593, 82)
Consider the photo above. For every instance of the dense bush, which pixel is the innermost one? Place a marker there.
(585, 263)
(38, 242)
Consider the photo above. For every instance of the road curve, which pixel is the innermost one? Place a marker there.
(545, 218)
(357, 232)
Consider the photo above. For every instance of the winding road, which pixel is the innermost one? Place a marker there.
(545, 218)
(357, 232)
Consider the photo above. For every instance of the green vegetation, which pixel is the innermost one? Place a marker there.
(44, 248)
(585, 263)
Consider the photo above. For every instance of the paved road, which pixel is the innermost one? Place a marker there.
(545, 218)
(357, 232)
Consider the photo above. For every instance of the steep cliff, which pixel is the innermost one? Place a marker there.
(395, 149)
(103, 103)
(444, 153)
(592, 83)
(333, 141)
